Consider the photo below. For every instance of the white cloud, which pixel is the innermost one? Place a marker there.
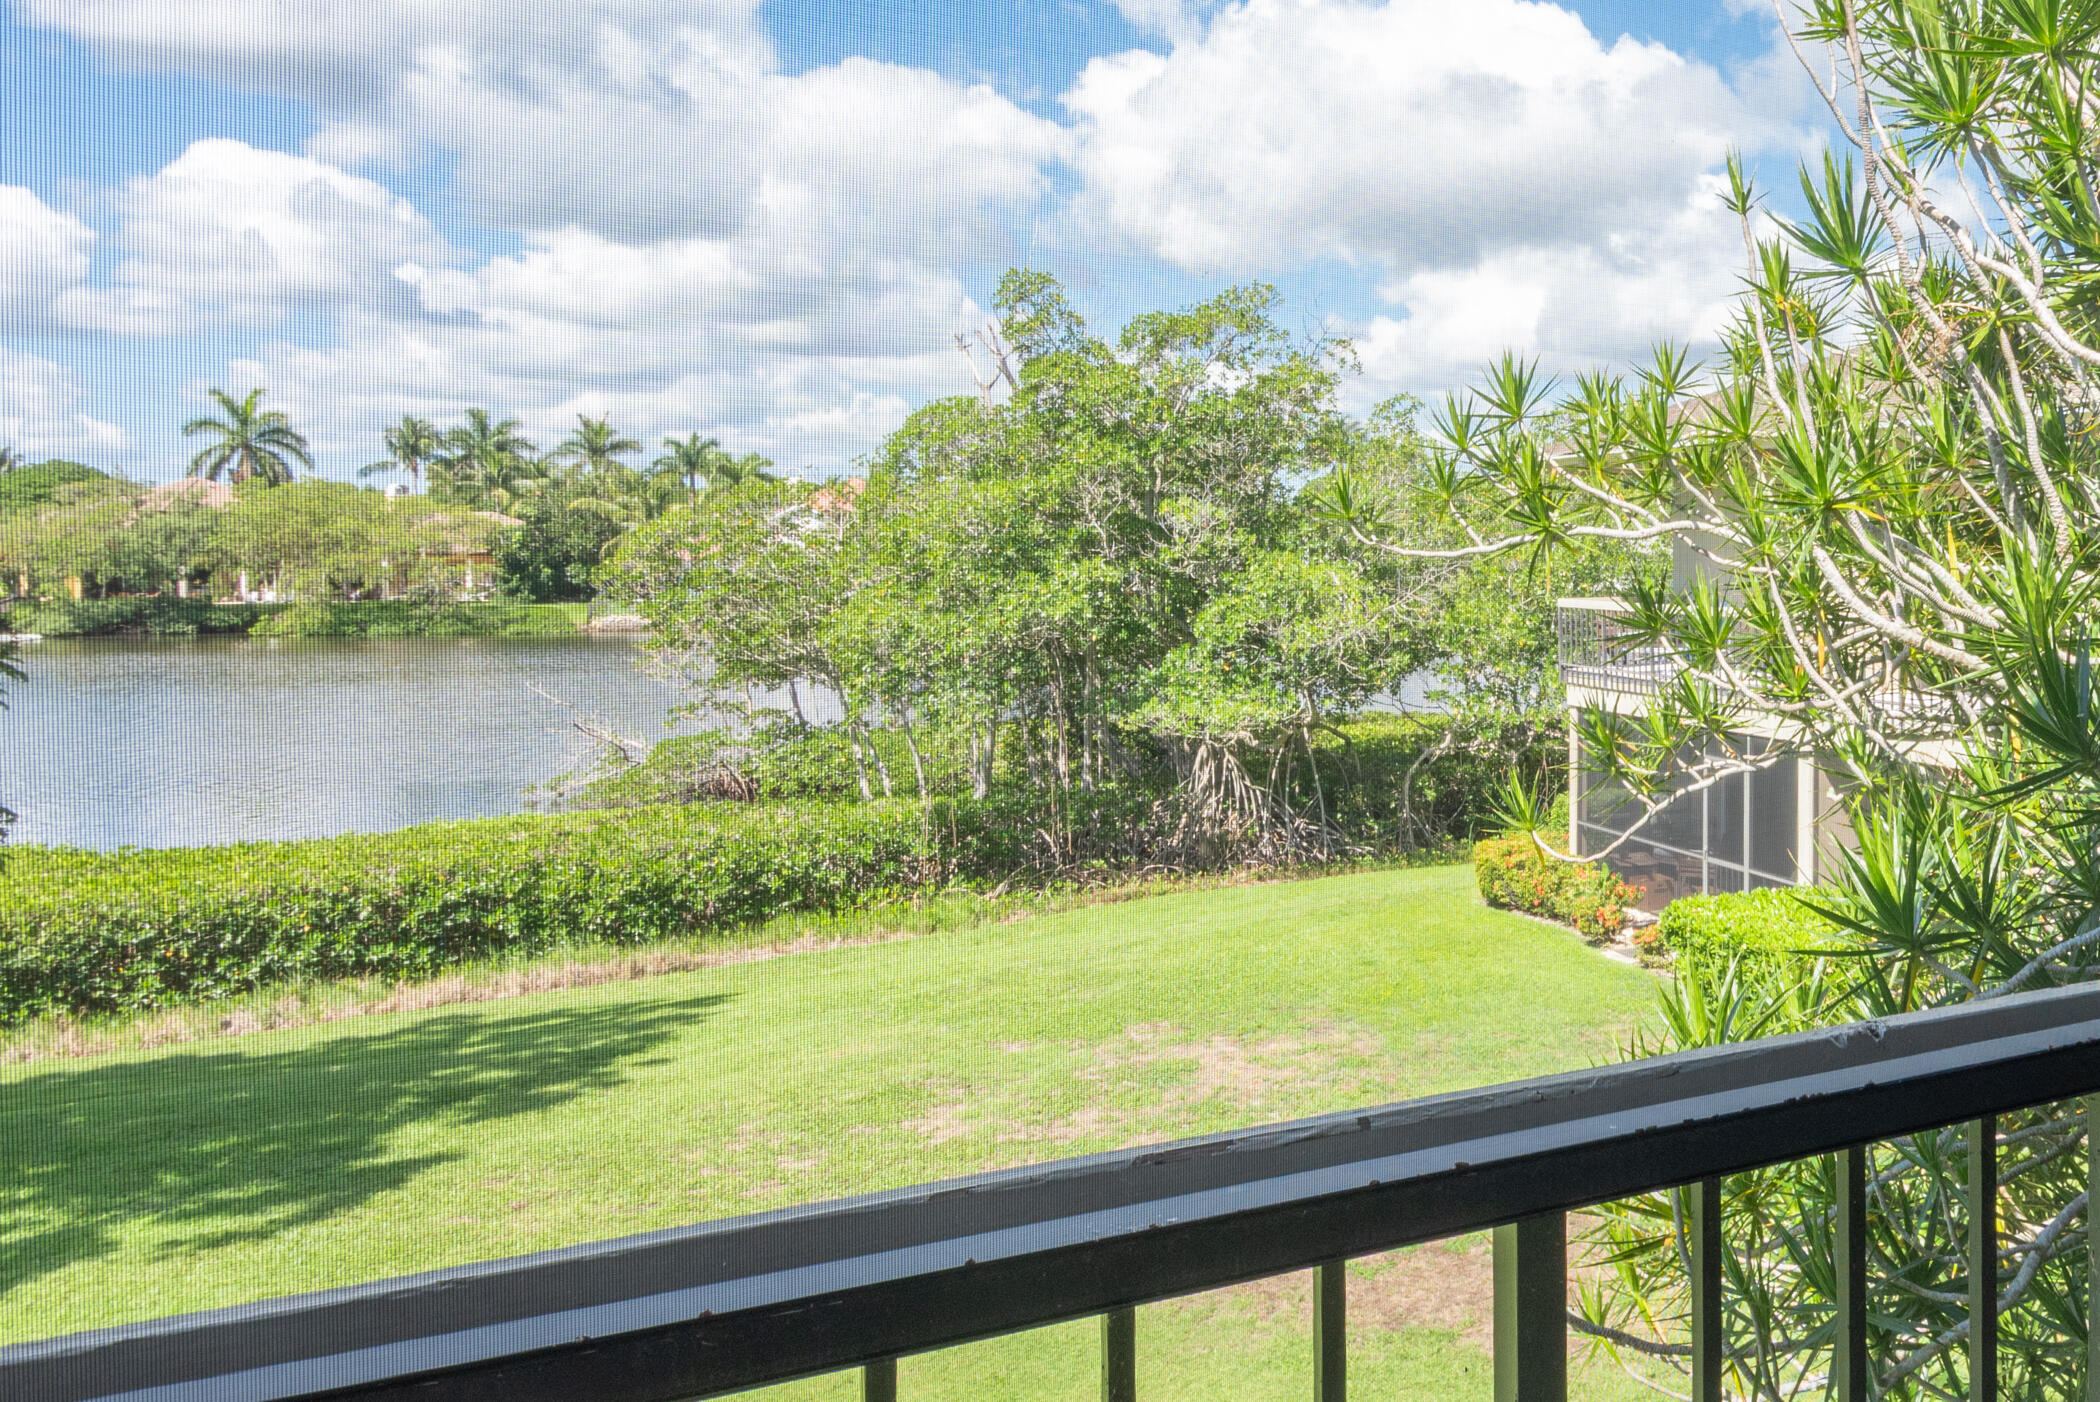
(738, 340)
(348, 54)
(1176, 20)
(803, 327)
(42, 253)
(1571, 306)
(40, 413)
(702, 240)
(705, 241)
(1416, 134)
(227, 232)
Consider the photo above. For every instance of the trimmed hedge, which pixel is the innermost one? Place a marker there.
(402, 619)
(106, 932)
(164, 616)
(159, 616)
(1514, 874)
(1768, 932)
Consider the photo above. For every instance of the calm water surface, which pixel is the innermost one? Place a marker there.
(153, 743)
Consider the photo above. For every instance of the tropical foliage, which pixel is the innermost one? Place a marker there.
(1111, 578)
(247, 441)
(1882, 505)
(307, 539)
(8, 673)
(412, 444)
(552, 517)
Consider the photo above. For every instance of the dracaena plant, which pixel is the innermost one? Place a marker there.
(1886, 489)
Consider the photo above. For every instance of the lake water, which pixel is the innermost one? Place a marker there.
(115, 742)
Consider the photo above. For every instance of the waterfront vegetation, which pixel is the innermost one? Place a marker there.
(1125, 576)
(191, 618)
(537, 528)
(93, 932)
(200, 1174)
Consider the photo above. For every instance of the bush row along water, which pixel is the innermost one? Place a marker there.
(105, 932)
(189, 618)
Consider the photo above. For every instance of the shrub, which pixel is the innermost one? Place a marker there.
(27, 488)
(158, 615)
(1368, 764)
(552, 556)
(1364, 764)
(375, 618)
(1770, 933)
(104, 932)
(1514, 874)
(776, 760)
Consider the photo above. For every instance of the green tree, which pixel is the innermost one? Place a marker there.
(735, 472)
(10, 460)
(411, 444)
(694, 460)
(1886, 545)
(252, 441)
(1060, 579)
(486, 463)
(315, 539)
(553, 557)
(744, 593)
(594, 445)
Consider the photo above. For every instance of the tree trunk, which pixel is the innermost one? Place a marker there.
(1028, 752)
(1089, 741)
(852, 719)
(1059, 718)
(860, 760)
(911, 742)
(882, 768)
(981, 758)
(1319, 793)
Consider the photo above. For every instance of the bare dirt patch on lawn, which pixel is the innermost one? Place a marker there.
(1448, 1286)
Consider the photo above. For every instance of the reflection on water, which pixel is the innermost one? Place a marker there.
(160, 743)
(117, 742)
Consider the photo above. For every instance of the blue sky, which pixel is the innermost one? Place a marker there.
(766, 221)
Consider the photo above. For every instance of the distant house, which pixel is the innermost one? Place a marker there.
(462, 540)
(195, 490)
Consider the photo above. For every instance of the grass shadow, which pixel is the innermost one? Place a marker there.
(229, 1146)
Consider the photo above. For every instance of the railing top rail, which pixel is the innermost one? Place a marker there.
(754, 1299)
(1593, 605)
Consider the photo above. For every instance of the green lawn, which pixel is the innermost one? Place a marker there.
(153, 1182)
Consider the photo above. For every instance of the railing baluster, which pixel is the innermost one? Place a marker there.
(1848, 1359)
(878, 1381)
(1983, 1259)
(1119, 1355)
(1330, 1333)
(1531, 1309)
(1709, 1324)
(2092, 1256)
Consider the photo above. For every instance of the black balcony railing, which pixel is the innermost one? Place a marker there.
(857, 1283)
(1597, 650)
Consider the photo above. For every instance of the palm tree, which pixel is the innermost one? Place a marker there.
(594, 445)
(691, 460)
(252, 440)
(486, 462)
(409, 444)
(734, 472)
